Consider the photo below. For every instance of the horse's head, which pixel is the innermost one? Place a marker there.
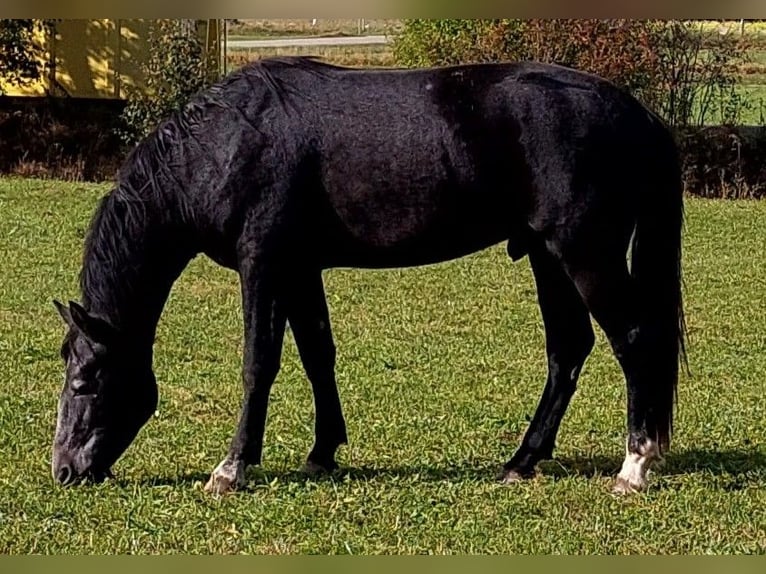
(107, 397)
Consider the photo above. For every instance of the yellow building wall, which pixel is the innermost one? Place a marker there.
(134, 43)
(99, 58)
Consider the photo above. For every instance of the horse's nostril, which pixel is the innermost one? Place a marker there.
(64, 474)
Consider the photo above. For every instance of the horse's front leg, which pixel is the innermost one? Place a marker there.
(264, 322)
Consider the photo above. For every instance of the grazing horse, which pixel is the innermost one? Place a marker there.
(290, 166)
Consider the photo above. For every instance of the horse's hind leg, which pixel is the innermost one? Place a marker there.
(609, 293)
(569, 340)
(310, 322)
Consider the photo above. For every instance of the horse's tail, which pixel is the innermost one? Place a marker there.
(656, 269)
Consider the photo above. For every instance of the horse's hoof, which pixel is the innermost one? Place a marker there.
(226, 478)
(514, 476)
(220, 485)
(624, 487)
(315, 469)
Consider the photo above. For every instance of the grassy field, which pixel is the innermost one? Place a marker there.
(439, 369)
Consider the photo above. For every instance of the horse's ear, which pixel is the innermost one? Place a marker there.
(96, 329)
(64, 312)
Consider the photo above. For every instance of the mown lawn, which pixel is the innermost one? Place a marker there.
(439, 369)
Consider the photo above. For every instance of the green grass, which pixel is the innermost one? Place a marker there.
(439, 369)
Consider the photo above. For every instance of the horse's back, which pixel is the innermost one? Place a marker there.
(426, 165)
(400, 167)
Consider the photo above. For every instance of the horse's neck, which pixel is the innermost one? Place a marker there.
(133, 255)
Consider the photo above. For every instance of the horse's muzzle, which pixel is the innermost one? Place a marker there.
(63, 470)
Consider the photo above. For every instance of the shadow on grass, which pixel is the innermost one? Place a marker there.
(260, 475)
(717, 462)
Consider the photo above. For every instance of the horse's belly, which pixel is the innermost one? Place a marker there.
(409, 196)
(413, 231)
(420, 253)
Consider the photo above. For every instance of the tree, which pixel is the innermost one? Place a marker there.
(21, 53)
(178, 66)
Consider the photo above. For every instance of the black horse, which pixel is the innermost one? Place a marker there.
(290, 166)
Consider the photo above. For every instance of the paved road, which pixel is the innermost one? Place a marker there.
(289, 42)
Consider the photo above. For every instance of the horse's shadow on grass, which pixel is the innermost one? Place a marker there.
(716, 462)
(264, 475)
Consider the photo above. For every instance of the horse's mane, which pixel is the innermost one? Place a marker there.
(150, 154)
(267, 71)
(311, 64)
(142, 199)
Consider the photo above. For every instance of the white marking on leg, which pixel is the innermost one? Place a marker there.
(228, 476)
(632, 476)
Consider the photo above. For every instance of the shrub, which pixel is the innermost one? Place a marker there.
(686, 75)
(724, 161)
(619, 50)
(177, 67)
(67, 138)
(456, 41)
(697, 75)
(616, 49)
